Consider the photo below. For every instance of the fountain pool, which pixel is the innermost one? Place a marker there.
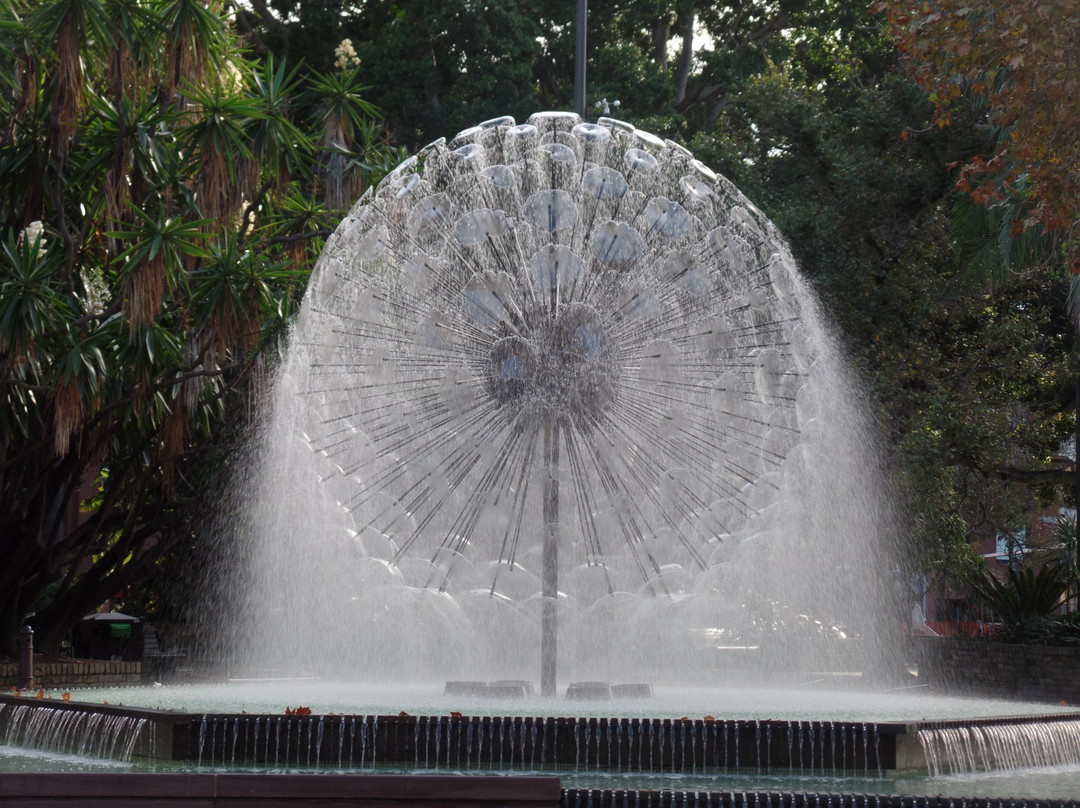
(744, 702)
(244, 729)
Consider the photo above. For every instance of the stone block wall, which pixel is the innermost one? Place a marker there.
(980, 667)
(75, 673)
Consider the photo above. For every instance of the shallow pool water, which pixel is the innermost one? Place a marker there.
(353, 698)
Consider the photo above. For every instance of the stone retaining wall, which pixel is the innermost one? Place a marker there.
(74, 673)
(980, 667)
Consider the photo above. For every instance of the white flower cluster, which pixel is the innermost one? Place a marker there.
(31, 233)
(345, 55)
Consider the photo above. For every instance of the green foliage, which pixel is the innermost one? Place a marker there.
(969, 381)
(161, 201)
(1054, 630)
(438, 68)
(1027, 594)
(1026, 601)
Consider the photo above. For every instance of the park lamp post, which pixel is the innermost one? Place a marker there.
(26, 654)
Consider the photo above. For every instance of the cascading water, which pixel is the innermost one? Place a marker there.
(87, 733)
(558, 384)
(528, 743)
(968, 748)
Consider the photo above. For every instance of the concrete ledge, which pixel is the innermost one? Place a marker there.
(104, 790)
(595, 798)
(498, 742)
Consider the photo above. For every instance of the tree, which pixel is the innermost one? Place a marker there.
(435, 68)
(1019, 60)
(159, 210)
(969, 380)
(440, 68)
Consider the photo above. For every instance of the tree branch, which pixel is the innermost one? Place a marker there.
(1058, 476)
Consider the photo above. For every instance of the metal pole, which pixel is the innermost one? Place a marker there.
(580, 25)
(549, 625)
(26, 656)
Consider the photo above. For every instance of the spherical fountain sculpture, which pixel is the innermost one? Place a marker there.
(560, 383)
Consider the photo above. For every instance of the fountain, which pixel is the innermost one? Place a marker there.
(549, 378)
(558, 408)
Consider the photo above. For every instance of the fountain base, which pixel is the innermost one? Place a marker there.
(369, 791)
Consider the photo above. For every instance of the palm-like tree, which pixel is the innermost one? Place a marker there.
(146, 261)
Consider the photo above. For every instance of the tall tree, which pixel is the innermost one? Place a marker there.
(434, 68)
(969, 379)
(1020, 60)
(159, 202)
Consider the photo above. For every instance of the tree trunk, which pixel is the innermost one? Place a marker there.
(22, 555)
(9, 626)
(686, 54)
(661, 35)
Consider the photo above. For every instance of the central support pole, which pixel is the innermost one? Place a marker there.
(579, 58)
(549, 621)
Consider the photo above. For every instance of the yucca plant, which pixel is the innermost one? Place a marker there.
(1024, 595)
(153, 249)
(342, 111)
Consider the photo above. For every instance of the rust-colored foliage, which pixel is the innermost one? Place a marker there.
(1023, 58)
(69, 410)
